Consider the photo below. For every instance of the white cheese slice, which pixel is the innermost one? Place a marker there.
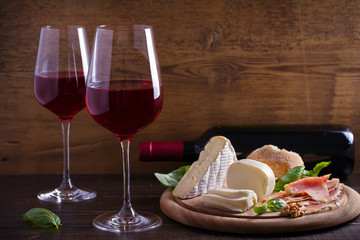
(230, 199)
(209, 171)
(251, 174)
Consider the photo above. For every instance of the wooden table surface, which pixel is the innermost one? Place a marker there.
(18, 195)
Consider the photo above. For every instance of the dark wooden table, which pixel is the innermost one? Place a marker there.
(18, 195)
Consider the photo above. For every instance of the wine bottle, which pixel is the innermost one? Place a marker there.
(314, 143)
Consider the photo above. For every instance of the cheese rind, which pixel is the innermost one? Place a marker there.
(230, 199)
(251, 174)
(209, 171)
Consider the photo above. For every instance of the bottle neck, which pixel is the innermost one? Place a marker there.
(191, 151)
(169, 151)
(161, 151)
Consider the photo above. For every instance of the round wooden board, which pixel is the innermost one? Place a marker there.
(250, 223)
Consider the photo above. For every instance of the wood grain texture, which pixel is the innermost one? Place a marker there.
(223, 62)
(20, 192)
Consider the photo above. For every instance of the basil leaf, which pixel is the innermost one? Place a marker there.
(171, 179)
(276, 204)
(261, 209)
(291, 176)
(316, 170)
(43, 218)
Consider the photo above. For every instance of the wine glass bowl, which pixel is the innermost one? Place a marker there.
(132, 105)
(59, 85)
(63, 93)
(124, 94)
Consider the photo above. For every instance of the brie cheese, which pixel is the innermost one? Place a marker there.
(251, 174)
(209, 171)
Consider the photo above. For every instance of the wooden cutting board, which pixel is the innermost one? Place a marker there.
(192, 213)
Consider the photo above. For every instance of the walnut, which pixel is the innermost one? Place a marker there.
(293, 210)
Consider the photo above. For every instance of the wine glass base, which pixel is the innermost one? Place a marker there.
(111, 222)
(71, 195)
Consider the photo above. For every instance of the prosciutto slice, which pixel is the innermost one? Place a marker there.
(315, 194)
(315, 187)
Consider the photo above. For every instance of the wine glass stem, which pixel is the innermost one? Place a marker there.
(126, 212)
(66, 181)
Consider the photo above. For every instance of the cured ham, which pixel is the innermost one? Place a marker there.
(315, 187)
(315, 194)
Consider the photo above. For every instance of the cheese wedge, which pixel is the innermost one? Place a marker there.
(251, 174)
(230, 199)
(209, 171)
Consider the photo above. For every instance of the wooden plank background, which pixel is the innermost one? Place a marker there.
(223, 62)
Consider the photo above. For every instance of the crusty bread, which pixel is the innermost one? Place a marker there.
(280, 161)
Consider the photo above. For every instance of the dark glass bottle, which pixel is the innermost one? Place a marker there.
(314, 143)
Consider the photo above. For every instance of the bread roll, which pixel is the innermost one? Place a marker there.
(280, 161)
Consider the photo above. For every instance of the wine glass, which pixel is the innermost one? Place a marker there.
(124, 94)
(61, 68)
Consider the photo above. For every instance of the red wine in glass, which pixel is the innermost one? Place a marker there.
(59, 86)
(124, 107)
(124, 94)
(63, 93)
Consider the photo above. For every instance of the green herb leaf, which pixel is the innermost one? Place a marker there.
(276, 204)
(171, 179)
(291, 176)
(316, 170)
(43, 218)
(261, 209)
